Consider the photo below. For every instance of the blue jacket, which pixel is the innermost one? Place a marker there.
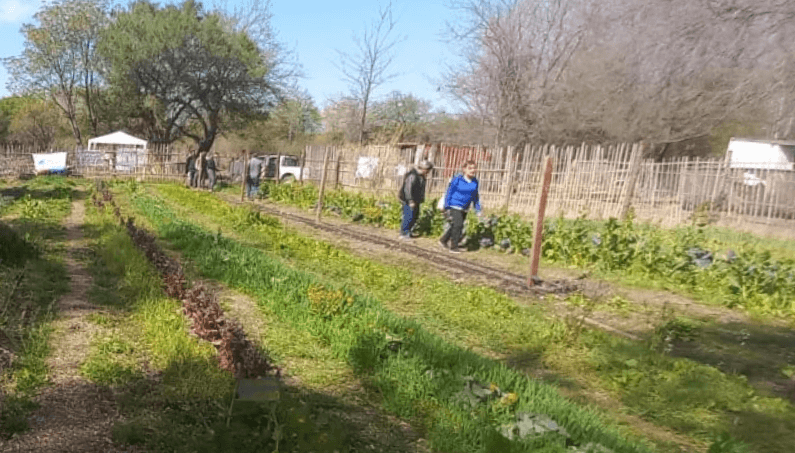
(461, 194)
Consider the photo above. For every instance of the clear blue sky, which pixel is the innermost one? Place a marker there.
(315, 29)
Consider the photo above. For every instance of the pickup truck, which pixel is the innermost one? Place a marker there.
(289, 170)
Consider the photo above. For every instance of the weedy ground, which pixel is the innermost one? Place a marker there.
(466, 367)
(420, 376)
(682, 396)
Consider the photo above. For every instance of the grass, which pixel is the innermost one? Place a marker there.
(681, 394)
(32, 278)
(359, 330)
(145, 320)
(187, 407)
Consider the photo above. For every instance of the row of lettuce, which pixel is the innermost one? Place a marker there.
(738, 273)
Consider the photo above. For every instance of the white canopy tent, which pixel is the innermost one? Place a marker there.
(117, 150)
(116, 140)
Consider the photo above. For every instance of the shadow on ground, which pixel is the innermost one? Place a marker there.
(763, 354)
(297, 420)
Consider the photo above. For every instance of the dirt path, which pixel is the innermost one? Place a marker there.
(73, 415)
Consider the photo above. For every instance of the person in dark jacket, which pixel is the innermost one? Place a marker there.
(190, 167)
(254, 170)
(413, 195)
(201, 173)
(210, 166)
(461, 194)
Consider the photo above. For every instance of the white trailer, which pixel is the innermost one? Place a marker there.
(761, 154)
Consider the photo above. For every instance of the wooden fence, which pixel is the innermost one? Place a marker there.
(593, 181)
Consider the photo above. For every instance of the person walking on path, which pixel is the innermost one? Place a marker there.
(412, 194)
(254, 170)
(461, 194)
(211, 169)
(190, 167)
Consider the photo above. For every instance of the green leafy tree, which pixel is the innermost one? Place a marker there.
(400, 117)
(9, 108)
(37, 124)
(295, 118)
(60, 60)
(207, 76)
(291, 125)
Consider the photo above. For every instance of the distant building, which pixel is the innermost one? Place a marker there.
(117, 151)
(751, 154)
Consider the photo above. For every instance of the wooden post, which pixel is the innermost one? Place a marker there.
(509, 179)
(538, 236)
(302, 163)
(278, 175)
(322, 187)
(244, 177)
(634, 169)
(337, 171)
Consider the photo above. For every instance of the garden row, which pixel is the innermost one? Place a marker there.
(729, 269)
(32, 278)
(236, 353)
(681, 394)
(176, 392)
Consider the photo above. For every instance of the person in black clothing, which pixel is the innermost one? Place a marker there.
(413, 195)
(210, 166)
(253, 180)
(190, 167)
(201, 172)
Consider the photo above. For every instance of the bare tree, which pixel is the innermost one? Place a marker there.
(663, 71)
(685, 68)
(367, 67)
(513, 52)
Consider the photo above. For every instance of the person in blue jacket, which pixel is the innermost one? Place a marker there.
(461, 194)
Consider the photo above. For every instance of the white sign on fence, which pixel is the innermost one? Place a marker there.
(52, 162)
(366, 167)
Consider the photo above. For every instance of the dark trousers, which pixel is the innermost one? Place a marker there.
(409, 218)
(252, 186)
(453, 234)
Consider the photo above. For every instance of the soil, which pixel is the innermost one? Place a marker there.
(74, 415)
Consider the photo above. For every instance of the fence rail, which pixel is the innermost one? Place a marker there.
(593, 181)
